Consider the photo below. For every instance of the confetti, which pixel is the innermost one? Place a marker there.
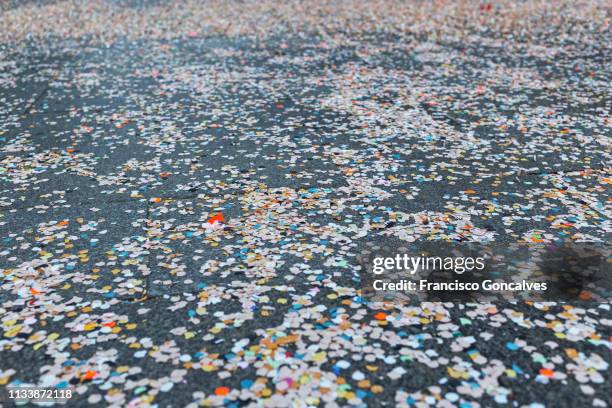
(185, 189)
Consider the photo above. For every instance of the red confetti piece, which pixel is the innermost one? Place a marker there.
(216, 218)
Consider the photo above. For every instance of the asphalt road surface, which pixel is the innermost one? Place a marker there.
(186, 189)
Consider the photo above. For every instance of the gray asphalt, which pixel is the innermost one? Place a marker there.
(182, 214)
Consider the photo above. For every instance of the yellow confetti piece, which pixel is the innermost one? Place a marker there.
(349, 395)
(90, 326)
(319, 357)
(13, 331)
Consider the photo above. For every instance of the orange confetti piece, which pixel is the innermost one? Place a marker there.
(110, 324)
(571, 353)
(156, 200)
(380, 316)
(547, 372)
(34, 291)
(222, 391)
(89, 375)
(216, 218)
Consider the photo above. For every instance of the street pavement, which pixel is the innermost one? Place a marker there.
(186, 188)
